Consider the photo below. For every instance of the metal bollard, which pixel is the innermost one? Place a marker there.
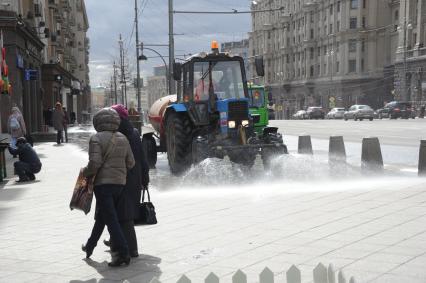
(371, 159)
(422, 158)
(305, 145)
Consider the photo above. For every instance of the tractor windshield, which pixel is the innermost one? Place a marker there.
(222, 78)
(257, 97)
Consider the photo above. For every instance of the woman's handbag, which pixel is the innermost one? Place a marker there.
(83, 193)
(83, 190)
(146, 211)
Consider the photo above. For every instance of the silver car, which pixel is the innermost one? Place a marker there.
(359, 112)
(336, 113)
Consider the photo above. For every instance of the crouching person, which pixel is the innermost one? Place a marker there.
(29, 162)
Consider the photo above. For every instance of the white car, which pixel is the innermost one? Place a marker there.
(359, 112)
(336, 113)
(300, 115)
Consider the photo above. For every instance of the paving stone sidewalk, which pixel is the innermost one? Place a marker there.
(375, 230)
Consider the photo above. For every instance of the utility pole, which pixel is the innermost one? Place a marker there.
(123, 74)
(111, 87)
(115, 83)
(138, 87)
(171, 50)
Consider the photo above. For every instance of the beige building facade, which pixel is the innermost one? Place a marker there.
(328, 53)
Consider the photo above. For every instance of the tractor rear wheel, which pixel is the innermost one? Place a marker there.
(149, 147)
(179, 139)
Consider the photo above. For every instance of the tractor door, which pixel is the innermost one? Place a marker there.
(198, 110)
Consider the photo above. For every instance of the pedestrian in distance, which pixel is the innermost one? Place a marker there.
(58, 118)
(110, 156)
(66, 122)
(16, 126)
(137, 180)
(29, 162)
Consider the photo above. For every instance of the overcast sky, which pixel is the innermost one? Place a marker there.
(109, 18)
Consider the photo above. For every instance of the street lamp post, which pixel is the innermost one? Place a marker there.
(144, 58)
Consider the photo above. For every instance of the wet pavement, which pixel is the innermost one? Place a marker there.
(219, 217)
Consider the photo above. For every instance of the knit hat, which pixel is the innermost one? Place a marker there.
(121, 110)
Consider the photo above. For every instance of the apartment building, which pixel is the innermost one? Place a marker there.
(410, 65)
(47, 53)
(240, 48)
(326, 53)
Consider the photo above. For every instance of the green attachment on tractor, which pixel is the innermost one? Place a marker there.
(258, 106)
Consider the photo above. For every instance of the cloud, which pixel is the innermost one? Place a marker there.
(109, 18)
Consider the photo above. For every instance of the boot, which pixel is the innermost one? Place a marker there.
(88, 251)
(120, 260)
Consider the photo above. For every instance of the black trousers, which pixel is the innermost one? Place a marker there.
(128, 228)
(59, 137)
(106, 198)
(24, 170)
(66, 133)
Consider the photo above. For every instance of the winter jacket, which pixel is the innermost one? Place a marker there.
(137, 177)
(21, 130)
(26, 154)
(58, 119)
(113, 170)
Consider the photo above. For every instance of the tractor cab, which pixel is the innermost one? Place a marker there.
(214, 90)
(258, 106)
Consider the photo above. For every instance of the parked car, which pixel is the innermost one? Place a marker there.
(360, 112)
(336, 113)
(315, 113)
(397, 109)
(300, 115)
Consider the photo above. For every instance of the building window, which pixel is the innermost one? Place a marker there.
(331, 9)
(354, 4)
(363, 46)
(311, 71)
(364, 4)
(319, 51)
(337, 47)
(311, 16)
(362, 65)
(364, 22)
(397, 15)
(338, 26)
(325, 50)
(324, 69)
(331, 29)
(352, 45)
(352, 66)
(353, 23)
(338, 7)
(312, 33)
(337, 66)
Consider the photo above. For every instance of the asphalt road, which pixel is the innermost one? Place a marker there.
(391, 132)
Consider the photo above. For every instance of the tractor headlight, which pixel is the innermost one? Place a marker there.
(244, 123)
(231, 124)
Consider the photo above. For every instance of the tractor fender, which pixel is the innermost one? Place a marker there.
(172, 108)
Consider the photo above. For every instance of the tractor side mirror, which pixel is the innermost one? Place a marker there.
(177, 71)
(260, 67)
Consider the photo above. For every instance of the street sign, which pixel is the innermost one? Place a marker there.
(31, 75)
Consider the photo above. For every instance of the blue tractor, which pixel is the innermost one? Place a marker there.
(210, 116)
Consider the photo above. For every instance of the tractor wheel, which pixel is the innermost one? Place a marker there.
(179, 139)
(149, 147)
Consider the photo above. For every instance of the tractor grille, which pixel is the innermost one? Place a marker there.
(237, 110)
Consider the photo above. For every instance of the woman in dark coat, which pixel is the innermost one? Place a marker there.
(137, 179)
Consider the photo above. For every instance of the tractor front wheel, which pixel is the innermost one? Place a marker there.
(149, 147)
(179, 139)
(246, 159)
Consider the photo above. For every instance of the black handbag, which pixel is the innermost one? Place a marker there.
(146, 211)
